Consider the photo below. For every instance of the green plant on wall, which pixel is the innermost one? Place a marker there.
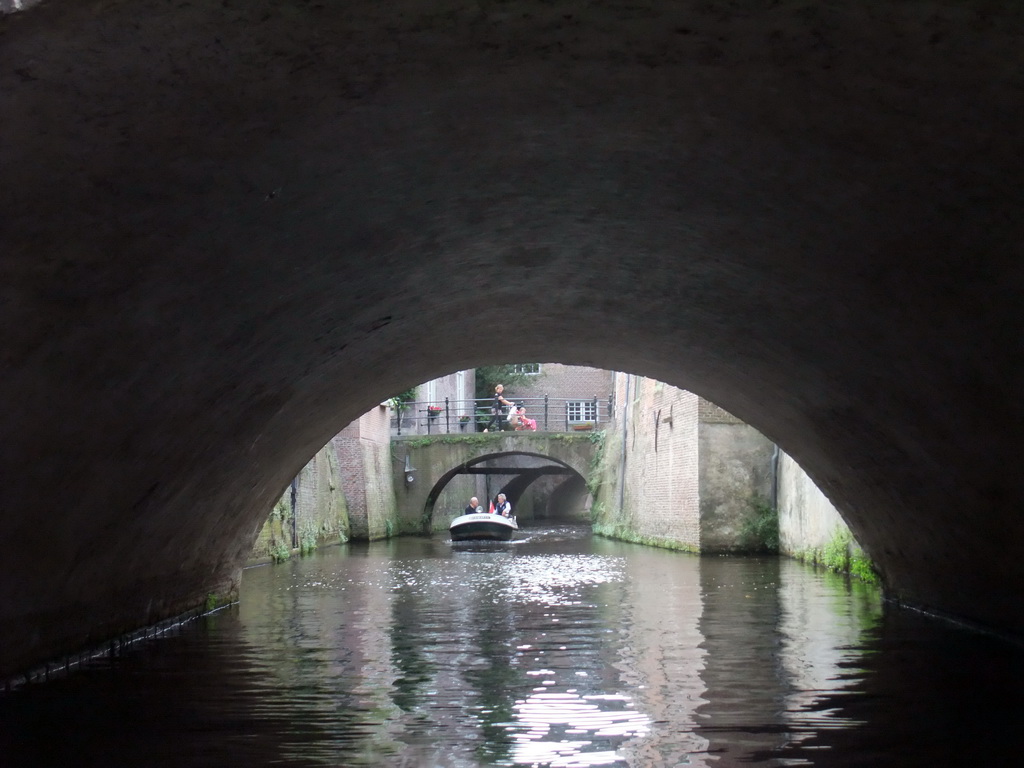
(282, 510)
(401, 401)
(596, 470)
(842, 554)
(279, 552)
(760, 529)
(307, 537)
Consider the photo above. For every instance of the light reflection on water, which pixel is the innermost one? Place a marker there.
(560, 650)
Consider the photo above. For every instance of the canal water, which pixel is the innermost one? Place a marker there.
(559, 650)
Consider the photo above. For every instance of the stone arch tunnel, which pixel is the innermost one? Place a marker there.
(226, 230)
(527, 456)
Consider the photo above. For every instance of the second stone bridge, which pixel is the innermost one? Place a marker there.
(546, 476)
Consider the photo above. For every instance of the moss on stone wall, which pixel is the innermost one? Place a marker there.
(217, 600)
(310, 513)
(841, 554)
(625, 533)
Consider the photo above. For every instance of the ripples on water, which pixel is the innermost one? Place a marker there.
(558, 650)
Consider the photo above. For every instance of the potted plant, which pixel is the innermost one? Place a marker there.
(463, 421)
(433, 411)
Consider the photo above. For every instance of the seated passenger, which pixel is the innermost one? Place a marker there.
(524, 424)
(502, 507)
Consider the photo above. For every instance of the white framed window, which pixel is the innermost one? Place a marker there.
(581, 410)
(526, 368)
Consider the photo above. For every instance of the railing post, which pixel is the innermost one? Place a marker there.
(611, 406)
(597, 413)
(447, 422)
(545, 412)
(398, 416)
(428, 419)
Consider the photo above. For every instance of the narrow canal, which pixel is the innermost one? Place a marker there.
(560, 650)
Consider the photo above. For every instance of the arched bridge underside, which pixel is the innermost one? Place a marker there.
(228, 229)
(516, 458)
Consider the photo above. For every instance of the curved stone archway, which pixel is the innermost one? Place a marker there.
(439, 460)
(550, 498)
(226, 232)
(523, 480)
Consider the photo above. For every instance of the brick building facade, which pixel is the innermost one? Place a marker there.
(574, 393)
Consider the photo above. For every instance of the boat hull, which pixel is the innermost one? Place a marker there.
(482, 527)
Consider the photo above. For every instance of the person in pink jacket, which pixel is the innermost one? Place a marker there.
(523, 423)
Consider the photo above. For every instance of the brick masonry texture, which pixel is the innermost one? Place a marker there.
(691, 471)
(363, 451)
(710, 413)
(651, 493)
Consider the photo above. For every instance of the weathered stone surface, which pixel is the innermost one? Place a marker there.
(807, 520)
(311, 513)
(229, 229)
(735, 476)
(680, 472)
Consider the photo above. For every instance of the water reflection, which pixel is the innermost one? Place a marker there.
(561, 650)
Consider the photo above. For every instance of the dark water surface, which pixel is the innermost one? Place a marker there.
(561, 650)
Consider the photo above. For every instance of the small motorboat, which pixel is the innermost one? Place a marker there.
(483, 526)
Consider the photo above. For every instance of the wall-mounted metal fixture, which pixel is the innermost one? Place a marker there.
(409, 470)
(668, 419)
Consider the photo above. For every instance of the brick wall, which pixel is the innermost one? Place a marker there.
(690, 473)
(557, 380)
(709, 413)
(560, 382)
(364, 457)
(658, 500)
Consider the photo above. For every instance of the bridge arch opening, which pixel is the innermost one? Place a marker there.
(201, 287)
(520, 476)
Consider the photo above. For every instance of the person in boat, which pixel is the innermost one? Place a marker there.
(523, 423)
(474, 507)
(496, 406)
(502, 506)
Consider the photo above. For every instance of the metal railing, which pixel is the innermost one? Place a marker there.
(552, 414)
